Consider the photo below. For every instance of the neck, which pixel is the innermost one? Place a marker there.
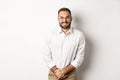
(65, 30)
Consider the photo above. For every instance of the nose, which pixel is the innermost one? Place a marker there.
(64, 20)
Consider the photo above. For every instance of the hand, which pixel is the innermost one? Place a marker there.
(60, 74)
(63, 77)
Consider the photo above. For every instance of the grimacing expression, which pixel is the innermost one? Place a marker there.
(64, 19)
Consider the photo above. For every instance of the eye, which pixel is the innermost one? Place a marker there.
(67, 17)
(61, 17)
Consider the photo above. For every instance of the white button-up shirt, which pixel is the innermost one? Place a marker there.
(64, 49)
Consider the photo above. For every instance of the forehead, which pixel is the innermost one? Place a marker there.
(64, 13)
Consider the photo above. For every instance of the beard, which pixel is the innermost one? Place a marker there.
(65, 26)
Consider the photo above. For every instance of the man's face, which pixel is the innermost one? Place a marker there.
(64, 19)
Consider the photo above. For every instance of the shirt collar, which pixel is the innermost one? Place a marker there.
(69, 31)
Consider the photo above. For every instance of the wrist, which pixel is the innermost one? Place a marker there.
(63, 71)
(54, 69)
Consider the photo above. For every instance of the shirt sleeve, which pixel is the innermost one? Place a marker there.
(48, 55)
(80, 52)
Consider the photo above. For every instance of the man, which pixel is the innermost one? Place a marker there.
(65, 49)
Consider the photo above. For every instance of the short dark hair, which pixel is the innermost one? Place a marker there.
(64, 9)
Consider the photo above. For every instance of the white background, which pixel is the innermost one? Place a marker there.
(25, 23)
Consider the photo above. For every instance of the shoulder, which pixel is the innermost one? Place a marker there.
(80, 35)
(77, 32)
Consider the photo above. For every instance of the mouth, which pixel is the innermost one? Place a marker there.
(65, 23)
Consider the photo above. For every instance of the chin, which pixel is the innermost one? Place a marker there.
(65, 26)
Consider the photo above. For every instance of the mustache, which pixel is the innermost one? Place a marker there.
(63, 22)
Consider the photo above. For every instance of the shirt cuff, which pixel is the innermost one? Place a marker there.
(74, 64)
(51, 65)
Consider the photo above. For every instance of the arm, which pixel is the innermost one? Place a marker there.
(69, 68)
(80, 52)
(48, 56)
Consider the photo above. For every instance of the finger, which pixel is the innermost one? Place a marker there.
(63, 77)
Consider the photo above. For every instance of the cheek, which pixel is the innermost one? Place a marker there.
(61, 21)
(70, 20)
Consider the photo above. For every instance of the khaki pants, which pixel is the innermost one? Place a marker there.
(71, 76)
